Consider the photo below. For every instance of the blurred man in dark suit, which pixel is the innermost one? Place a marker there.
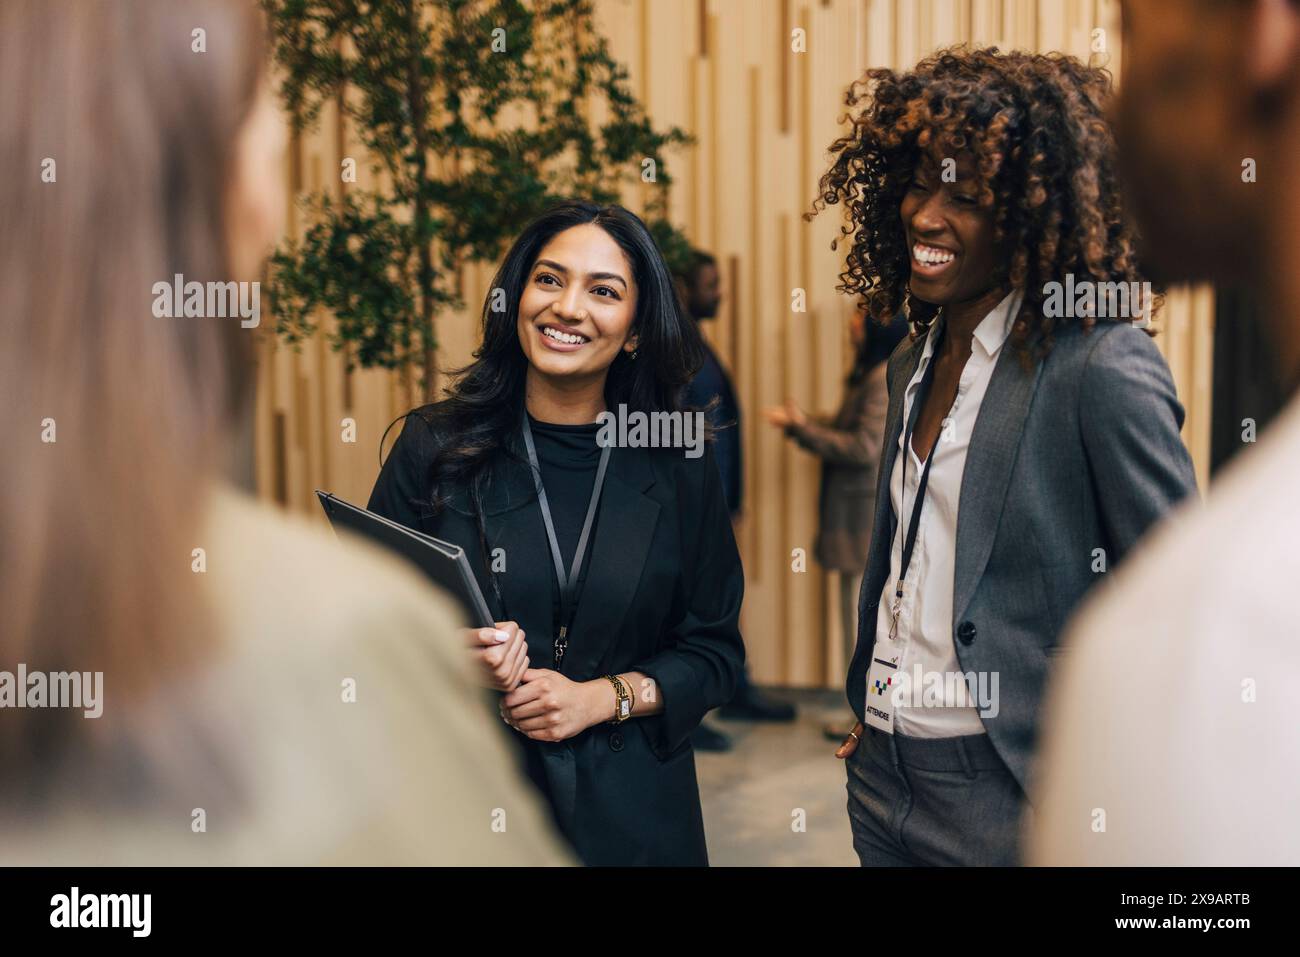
(702, 294)
(701, 290)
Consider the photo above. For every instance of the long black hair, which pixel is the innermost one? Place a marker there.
(484, 405)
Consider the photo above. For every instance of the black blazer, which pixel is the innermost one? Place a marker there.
(662, 596)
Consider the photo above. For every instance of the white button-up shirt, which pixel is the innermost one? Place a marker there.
(925, 634)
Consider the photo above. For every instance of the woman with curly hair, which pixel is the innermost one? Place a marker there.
(1032, 437)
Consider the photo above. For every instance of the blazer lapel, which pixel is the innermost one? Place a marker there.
(989, 461)
(882, 535)
(625, 525)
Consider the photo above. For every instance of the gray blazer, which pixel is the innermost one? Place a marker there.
(1081, 452)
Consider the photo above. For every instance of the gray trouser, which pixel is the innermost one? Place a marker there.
(932, 801)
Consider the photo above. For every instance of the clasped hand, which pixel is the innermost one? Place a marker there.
(539, 702)
(547, 706)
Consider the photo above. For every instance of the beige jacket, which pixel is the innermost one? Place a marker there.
(259, 759)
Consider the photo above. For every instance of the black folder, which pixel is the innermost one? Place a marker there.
(443, 562)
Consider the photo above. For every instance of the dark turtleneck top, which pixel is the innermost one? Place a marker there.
(568, 456)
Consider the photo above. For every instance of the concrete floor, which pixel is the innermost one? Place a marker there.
(751, 794)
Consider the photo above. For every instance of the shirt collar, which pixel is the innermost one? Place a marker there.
(992, 332)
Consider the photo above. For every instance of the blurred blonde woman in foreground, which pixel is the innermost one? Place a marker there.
(223, 733)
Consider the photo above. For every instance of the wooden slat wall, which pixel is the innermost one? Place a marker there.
(763, 116)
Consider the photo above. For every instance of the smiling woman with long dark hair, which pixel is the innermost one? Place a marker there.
(612, 572)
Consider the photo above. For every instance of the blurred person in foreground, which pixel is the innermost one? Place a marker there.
(227, 732)
(1020, 438)
(1172, 737)
(848, 443)
(700, 287)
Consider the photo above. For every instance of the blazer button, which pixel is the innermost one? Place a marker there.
(616, 741)
(966, 632)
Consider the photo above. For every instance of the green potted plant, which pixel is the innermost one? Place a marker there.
(473, 111)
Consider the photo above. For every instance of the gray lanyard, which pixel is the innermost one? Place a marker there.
(568, 584)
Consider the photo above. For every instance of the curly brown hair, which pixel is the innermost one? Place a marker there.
(1045, 155)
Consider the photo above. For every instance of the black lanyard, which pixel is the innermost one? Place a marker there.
(568, 584)
(914, 522)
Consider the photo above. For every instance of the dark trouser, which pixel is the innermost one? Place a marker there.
(932, 801)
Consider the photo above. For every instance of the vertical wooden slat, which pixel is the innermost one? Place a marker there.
(279, 452)
(783, 55)
(754, 296)
(717, 158)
